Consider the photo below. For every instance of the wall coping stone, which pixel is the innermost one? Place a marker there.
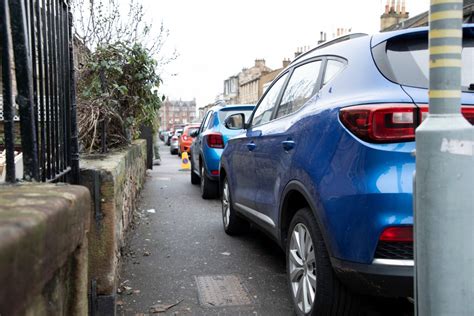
(40, 226)
(109, 161)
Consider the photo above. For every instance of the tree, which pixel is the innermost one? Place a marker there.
(102, 22)
(119, 80)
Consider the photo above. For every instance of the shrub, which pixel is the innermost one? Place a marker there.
(118, 89)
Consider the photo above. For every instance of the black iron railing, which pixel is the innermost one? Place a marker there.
(38, 83)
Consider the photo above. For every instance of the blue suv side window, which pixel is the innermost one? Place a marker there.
(264, 111)
(333, 67)
(210, 122)
(301, 87)
(205, 122)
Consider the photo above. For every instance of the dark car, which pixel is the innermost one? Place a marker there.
(326, 164)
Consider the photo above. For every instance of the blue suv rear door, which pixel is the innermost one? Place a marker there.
(277, 140)
(197, 143)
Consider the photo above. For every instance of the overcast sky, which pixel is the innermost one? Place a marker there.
(216, 39)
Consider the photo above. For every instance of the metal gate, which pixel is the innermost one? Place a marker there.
(38, 90)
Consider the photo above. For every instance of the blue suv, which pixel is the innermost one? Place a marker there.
(207, 147)
(326, 165)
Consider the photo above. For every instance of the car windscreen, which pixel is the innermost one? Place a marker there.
(225, 114)
(192, 130)
(405, 60)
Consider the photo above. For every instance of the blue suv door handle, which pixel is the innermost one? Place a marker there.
(251, 146)
(288, 145)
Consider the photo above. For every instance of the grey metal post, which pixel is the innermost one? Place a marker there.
(444, 192)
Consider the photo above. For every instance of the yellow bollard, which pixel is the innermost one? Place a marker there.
(185, 164)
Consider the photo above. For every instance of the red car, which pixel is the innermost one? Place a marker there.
(185, 140)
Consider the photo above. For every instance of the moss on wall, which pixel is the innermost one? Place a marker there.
(121, 176)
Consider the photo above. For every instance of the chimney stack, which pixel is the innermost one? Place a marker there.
(396, 14)
(260, 63)
(322, 38)
(387, 7)
(298, 52)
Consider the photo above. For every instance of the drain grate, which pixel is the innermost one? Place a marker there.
(222, 290)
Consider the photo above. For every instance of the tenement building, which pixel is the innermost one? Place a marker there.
(177, 112)
(250, 85)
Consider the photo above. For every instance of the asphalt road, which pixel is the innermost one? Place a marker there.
(179, 254)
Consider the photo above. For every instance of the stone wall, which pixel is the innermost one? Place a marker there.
(43, 249)
(56, 241)
(114, 181)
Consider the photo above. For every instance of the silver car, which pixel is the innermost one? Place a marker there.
(174, 145)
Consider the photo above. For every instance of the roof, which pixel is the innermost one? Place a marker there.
(329, 43)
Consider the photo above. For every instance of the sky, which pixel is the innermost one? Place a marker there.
(215, 39)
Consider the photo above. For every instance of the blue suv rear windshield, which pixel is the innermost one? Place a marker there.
(405, 60)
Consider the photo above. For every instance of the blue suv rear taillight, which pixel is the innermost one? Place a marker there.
(215, 140)
(388, 122)
(382, 123)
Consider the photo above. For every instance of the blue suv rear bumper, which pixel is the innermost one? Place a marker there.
(389, 280)
(212, 159)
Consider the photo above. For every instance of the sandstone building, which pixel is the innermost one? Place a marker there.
(177, 112)
(423, 18)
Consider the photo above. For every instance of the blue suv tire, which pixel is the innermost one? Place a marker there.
(208, 187)
(233, 224)
(314, 287)
(194, 177)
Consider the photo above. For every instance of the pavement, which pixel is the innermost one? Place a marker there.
(179, 260)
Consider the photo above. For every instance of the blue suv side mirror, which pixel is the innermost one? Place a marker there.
(235, 121)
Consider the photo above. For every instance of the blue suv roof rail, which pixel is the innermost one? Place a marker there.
(332, 42)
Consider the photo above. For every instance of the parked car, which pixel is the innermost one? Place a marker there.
(174, 142)
(185, 141)
(167, 137)
(162, 135)
(208, 144)
(325, 166)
